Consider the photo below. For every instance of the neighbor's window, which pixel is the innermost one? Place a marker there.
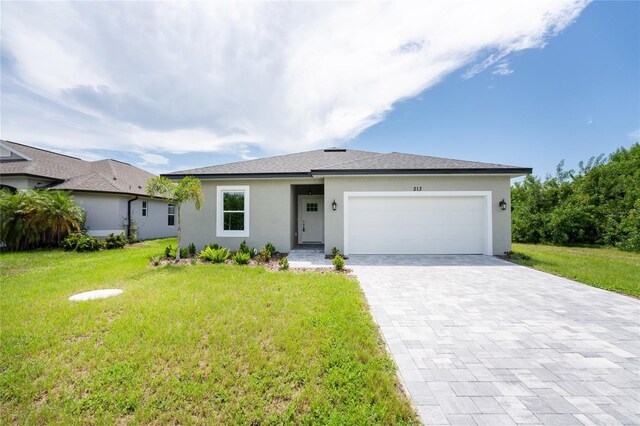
(233, 211)
(171, 215)
(144, 208)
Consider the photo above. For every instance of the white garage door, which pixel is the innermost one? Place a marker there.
(416, 224)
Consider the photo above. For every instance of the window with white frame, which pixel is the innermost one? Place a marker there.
(144, 208)
(171, 215)
(232, 211)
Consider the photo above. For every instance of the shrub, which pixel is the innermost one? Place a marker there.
(36, 218)
(335, 252)
(113, 241)
(265, 255)
(338, 262)
(169, 252)
(133, 232)
(155, 260)
(241, 258)
(192, 249)
(214, 246)
(81, 242)
(244, 248)
(283, 263)
(271, 248)
(184, 252)
(215, 255)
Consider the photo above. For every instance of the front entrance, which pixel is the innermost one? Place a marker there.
(310, 219)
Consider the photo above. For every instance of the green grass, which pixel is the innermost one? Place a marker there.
(607, 268)
(214, 344)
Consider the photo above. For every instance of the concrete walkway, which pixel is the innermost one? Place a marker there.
(481, 341)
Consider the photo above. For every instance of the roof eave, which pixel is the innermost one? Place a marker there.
(514, 171)
(238, 175)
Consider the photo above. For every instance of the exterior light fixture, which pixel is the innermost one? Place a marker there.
(503, 205)
(310, 192)
(334, 205)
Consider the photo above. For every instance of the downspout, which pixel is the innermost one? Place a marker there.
(129, 216)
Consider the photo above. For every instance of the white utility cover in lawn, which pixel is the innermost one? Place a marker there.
(418, 222)
(96, 294)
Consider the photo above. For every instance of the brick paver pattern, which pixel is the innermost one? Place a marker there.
(481, 341)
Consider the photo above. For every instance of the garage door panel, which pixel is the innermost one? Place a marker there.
(416, 225)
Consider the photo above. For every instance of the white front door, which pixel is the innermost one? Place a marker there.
(310, 219)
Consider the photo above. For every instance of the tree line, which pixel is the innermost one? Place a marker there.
(598, 204)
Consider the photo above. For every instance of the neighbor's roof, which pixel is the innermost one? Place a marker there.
(74, 173)
(335, 161)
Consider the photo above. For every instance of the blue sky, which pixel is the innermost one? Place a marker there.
(171, 86)
(577, 97)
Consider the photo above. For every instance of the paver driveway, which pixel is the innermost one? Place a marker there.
(482, 341)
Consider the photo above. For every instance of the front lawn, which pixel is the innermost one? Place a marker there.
(607, 268)
(215, 344)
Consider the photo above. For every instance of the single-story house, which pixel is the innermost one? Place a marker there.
(359, 202)
(111, 192)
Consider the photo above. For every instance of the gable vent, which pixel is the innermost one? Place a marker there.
(335, 150)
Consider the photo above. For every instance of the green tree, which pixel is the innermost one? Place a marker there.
(598, 204)
(187, 190)
(31, 218)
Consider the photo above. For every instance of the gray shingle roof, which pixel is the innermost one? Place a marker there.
(76, 174)
(348, 162)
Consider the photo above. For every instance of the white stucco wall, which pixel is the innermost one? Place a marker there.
(105, 212)
(272, 211)
(270, 217)
(155, 224)
(334, 188)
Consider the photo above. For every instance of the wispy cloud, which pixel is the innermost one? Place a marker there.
(154, 159)
(502, 69)
(635, 136)
(204, 77)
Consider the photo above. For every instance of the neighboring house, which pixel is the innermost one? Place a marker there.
(111, 192)
(360, 202)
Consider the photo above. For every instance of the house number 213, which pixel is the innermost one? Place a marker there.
(417, 188)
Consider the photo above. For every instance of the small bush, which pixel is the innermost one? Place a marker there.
(194, 260)
(241, 258)
(335, 252)
(184, 252)
(81, 242)
(214, 246)
(283, 263)
(155, 260)
(338, 262)
(244, 248)
(271, 248)
(215, 255)
(192, 249)
(265, 255)
(169, 252)
(133, 233)
(113, 241)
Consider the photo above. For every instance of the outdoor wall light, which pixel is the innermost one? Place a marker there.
(334, 205)
(503, 205)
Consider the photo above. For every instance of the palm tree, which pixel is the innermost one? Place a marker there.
(188, 189)
(58, 214)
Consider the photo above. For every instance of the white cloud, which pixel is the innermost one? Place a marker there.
(207, 77)
(635, 136)
(502, 69)
(154, 159)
